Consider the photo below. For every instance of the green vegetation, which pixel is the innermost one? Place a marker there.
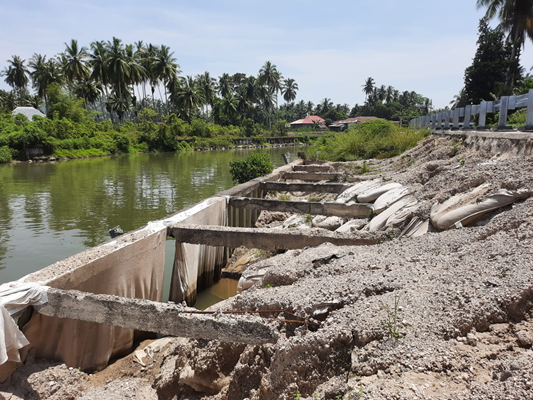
(373, 139)
(392, 324)
(5, 155)
(257, 164)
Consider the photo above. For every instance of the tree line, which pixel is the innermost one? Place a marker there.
(495, 70)
(119, 80)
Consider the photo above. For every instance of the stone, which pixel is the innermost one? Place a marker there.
(329, 223)
(524, 338)
(352, 226)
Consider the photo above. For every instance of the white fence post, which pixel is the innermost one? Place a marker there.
(455, 119)
(482, 115)
(529, 115)
(502, 122)
(468, 116)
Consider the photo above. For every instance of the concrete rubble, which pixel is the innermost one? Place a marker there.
(443, 315)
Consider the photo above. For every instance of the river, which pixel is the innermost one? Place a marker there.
(50, 211)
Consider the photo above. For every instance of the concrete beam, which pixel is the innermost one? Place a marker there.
(312, 176)
(262, 238)
(311, 168)
(304, 187)
(301, 207)
(152, 316)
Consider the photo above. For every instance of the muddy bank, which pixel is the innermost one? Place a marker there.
(447, 315)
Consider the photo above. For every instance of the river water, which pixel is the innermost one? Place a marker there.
(50, 211)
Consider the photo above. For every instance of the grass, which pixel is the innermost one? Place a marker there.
(373, 139)
(392, 324)
(285, 197)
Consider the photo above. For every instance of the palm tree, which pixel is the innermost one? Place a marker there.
(229, 106)
(516, 18)
(207, 85)
(165, 67)
(390, 94)
(368, 87)
(269, 76)
(224, 85)
(289, 89)
(73, 62)
(16, 74)
(117, 68)
(326, 105)
(188, 97)
(250, 89)
(309, 107)
(89, 90)
(43, 74)
(381, 93)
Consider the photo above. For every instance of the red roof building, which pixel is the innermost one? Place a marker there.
(309, 122)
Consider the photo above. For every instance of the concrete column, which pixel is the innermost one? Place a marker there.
(502, 122)
(455, 119)
(468, 114)
(482, 115)
(447, 120)
(529, 115)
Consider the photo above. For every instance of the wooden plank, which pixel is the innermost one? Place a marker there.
(262, 238)
(153, 316)
(301, 207)
(304, 187)
(312, 176)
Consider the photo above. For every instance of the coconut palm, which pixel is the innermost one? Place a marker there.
(16, 74)
(73, 62)
(188, 97)
(270, 76)
(368, 87)
(250, 89)
(309, 107)
(117, 67)
(225, 86)
(229, 106)
(89, 90)
(44, 73)
(165, 67)
(325, 105)
(516, 18)
(289, 89)
(207, 85)
(390, 94)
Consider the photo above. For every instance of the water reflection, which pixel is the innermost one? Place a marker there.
(51, 211)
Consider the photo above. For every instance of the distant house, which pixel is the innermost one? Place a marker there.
(309, 122)
(344, 124)
(28, 112)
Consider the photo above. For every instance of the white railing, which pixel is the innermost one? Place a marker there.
(461, 118)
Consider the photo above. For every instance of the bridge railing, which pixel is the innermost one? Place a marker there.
(462, 118)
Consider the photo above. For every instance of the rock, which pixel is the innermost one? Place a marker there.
(524, 338)
(471, 339)
(329, 223)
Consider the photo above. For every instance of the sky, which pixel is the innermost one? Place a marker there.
(328, 47)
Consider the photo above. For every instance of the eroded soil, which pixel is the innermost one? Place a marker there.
(462, 328)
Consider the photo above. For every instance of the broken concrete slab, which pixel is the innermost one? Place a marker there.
(312, 208)
(152, 316)
(312, 176)
(264, 238)
(304, 187)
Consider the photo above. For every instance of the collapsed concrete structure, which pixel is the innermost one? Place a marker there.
(443, 315)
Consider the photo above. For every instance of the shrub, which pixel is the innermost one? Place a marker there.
(257, 164)
(5, 155)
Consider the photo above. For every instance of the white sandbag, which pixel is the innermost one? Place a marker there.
(329, 223)
(353, 191)
(387, 199)
(417, 227)
(371, 194)
(464, 208)
(294, 221)
(251, 276)
(379, 222)
(352, 226)
(401, 216)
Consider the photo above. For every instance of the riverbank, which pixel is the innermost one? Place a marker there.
(446, 315)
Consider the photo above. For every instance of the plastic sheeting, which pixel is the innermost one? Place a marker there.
(134, 269)
(194, 265)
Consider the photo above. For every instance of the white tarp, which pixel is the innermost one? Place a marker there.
(15, 297)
